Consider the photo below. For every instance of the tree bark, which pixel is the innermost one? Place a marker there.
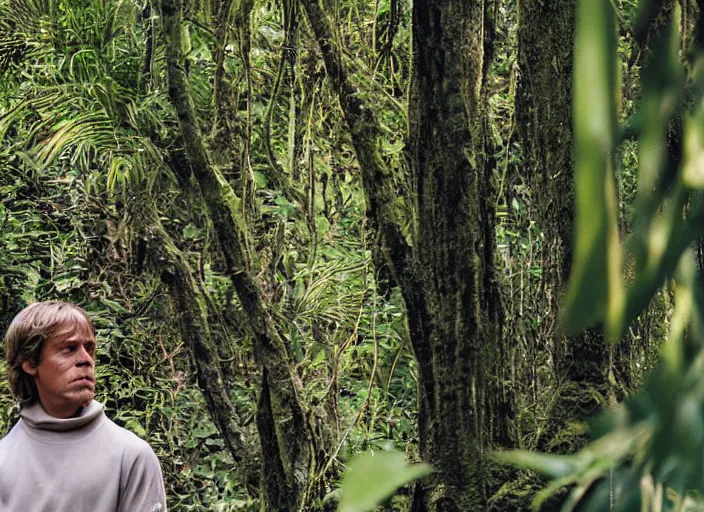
(447, 279)
(284, 431)
(461, 407)
(544, 128)
(189, 302)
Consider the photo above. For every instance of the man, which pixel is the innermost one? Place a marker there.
(64, 454)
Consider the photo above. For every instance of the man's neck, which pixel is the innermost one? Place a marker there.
(36, 417)
(60, 413)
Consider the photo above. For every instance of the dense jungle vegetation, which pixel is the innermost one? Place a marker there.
(309, 229)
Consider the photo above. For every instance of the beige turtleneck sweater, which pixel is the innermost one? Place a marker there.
(81, 464)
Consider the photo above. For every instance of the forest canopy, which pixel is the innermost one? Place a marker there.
(443, 232)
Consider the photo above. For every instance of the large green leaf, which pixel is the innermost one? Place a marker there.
(659, 235)
(374, 476)
(595, 290)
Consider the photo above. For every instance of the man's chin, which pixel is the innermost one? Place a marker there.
(83, 398)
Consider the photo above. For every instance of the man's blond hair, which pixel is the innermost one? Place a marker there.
(26, 338)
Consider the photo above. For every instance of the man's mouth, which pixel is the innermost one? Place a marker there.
(85, 380)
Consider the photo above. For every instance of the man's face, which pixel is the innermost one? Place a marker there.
(65, 375)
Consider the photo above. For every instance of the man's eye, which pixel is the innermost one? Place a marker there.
(69, 348)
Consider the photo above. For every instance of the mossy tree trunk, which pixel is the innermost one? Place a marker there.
(456, 326)
(284, 433)
(544, 129)
(365, 131)
(189, 301)
(447, 278)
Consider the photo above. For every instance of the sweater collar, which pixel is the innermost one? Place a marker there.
(35, 417)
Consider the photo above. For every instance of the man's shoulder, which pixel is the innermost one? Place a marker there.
(128, 441)
(12, 434)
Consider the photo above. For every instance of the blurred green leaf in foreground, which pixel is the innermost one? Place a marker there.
(648, 453)
(375, 476)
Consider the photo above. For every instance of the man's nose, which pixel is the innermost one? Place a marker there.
(84, 357)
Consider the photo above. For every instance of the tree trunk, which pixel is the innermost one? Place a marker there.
(544, 128)
(190, 304)
(284, 431)
(364, 130)
(447, 281)
(456, 327)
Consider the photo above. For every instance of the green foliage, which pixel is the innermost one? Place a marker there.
(596, 288)
(647, 452)
(87, 136)
(372, 477)
(79, 110)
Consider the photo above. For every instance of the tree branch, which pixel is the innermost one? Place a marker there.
(365, 130)
(289, 464)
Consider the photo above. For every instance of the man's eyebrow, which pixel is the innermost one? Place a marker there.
(72, 341)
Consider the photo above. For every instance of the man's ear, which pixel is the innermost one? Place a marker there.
(29, 368)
